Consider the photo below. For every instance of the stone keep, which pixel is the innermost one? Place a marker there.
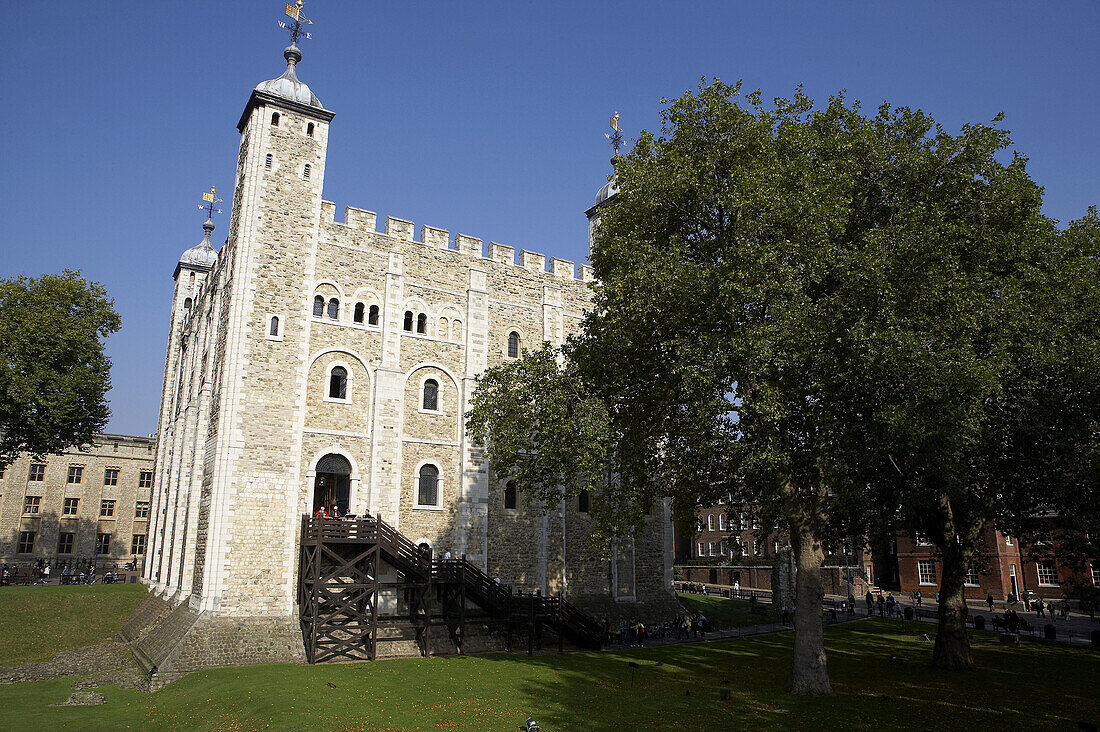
(249, 422)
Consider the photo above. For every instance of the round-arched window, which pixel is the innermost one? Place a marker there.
(513, 345)
(431, 395)
(427, 490)
(338, 383)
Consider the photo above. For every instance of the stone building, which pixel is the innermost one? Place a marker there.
(88, 504)
(317, 363)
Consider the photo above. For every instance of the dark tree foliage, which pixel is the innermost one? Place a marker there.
(54, 375)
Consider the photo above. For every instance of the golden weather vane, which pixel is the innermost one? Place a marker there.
(616, 134)
(212, 200)
(294, 12)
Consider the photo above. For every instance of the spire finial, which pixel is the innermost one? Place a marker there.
(294, 12)
(615, 136)
(212, 200)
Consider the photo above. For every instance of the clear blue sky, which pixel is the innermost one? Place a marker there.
(484, 118)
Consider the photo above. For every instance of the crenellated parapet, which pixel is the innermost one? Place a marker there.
(471, 246)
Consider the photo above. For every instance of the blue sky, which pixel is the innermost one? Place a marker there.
(484, 118)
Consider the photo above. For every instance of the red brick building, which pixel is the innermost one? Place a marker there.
(1004, 566)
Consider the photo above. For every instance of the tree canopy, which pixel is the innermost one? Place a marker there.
(851, 321)
(54, 374)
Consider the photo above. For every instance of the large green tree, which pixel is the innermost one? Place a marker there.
(54, 374)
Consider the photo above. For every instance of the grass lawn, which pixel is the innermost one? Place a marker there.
(723, 614)
(38, 622)
(1035, 686)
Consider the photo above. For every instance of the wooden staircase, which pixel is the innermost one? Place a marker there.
(340, 569)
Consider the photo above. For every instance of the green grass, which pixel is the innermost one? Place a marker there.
(1035, 686)
(38, 622)
(723, 614)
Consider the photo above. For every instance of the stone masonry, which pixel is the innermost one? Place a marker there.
(296, 299)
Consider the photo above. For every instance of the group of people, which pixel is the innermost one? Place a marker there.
(41, 573)
(887, 607)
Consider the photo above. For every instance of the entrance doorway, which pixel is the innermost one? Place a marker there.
(332, 486)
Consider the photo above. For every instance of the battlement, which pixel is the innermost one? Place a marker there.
(471, 246)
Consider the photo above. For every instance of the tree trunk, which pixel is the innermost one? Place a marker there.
(952, 648)
(809, 674)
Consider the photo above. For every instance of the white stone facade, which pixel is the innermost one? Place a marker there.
(247, 414)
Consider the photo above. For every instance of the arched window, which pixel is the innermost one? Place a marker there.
(442, 332)
(430, 401)
(513, 345)
(267, 161)
(187, 304)
(372, 315)
(582, 501)
(338, 383)
(422, 323)
(427, 492)
(510, 495)
(191, 279)
(306, 171)
(456, 330)
(358, 317)
(274, 328)
(318, 306)
(334, 308)
(309, 130)
(275, 118)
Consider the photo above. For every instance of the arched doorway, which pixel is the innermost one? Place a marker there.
(332, 486)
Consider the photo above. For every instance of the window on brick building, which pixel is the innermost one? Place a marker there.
(372, 315)
(37, 472)
(714, 549)
(513, 345)
(430, 400)
(926, 571)
(76, 474)
(360, 312)
(137, 544)
(26, 542)
(721, 522)
(275, 118)
(65, 542)
(710, 522)
(427, 489)
(408, 324)
(70, 506)
(971, 579)
(309, 130)
(338, 383)
(318, 306)
(306, 171)
(273, 327)
(267, 161)
(921, 539)
(102, 543)
(145, 479)
(582, 501)
(110, 476)
(1094, 567)
(1047, 571)
(757, 548)
(31, 504)
(422, 323)
(106, 508)
(456, 330)
(333, 308)
(141, 509)
(1008, 540)
(510, 495)
(702, 549)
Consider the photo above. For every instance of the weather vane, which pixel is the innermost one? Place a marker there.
(616, 134)
(212, 200)
(294, 11)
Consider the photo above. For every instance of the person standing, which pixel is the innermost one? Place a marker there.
(870, 600)
(989, 601)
